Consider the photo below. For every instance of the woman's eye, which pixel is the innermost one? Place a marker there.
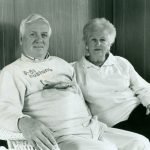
(102, 40)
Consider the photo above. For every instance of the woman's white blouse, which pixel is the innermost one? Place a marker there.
(113, 90)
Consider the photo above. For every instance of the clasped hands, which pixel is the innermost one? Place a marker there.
(57, 85)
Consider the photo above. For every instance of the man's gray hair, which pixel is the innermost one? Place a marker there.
(99, 25)
(30, 19)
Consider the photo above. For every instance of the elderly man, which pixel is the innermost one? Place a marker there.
(40, 98)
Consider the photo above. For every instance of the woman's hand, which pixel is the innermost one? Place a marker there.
(37, 134)
(148, 109)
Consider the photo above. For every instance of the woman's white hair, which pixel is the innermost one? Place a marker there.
(31, 18)
(99, 25)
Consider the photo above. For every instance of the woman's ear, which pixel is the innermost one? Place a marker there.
(86, 47)
(108, 46)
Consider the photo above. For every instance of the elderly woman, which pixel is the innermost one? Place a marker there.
(112, 88)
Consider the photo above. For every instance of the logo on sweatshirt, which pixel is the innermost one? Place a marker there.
(32, 73)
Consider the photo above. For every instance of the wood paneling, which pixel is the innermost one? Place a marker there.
(147, 40)
(67, 18)
(131, 19)
(7, 30)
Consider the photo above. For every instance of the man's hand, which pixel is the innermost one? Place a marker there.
(37, 134)
(63, 85)
(57, 85)
(148, 109)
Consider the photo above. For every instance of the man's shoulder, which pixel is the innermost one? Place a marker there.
(56, 58)
(12, 66)
(59, 60)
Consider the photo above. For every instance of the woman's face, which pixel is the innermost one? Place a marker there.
(98, 46)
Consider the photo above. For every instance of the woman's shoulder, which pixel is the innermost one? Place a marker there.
(121, 59)
(123, 62)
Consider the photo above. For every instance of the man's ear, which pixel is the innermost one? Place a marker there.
(20, 39)
(86, 47)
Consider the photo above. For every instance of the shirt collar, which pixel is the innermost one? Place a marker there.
(109, 62)
(32, 59)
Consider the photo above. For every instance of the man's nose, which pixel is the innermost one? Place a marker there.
(39, 38)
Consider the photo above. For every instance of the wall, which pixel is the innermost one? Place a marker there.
(67, 18)
(131, 18)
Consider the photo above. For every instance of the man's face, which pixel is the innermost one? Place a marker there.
(35, 41)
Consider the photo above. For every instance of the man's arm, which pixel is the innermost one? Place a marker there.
(12, 93)
(11, 100)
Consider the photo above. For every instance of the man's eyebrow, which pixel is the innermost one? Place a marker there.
(45, 32)
(33, 31)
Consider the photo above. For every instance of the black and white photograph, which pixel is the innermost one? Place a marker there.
(74, 74)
